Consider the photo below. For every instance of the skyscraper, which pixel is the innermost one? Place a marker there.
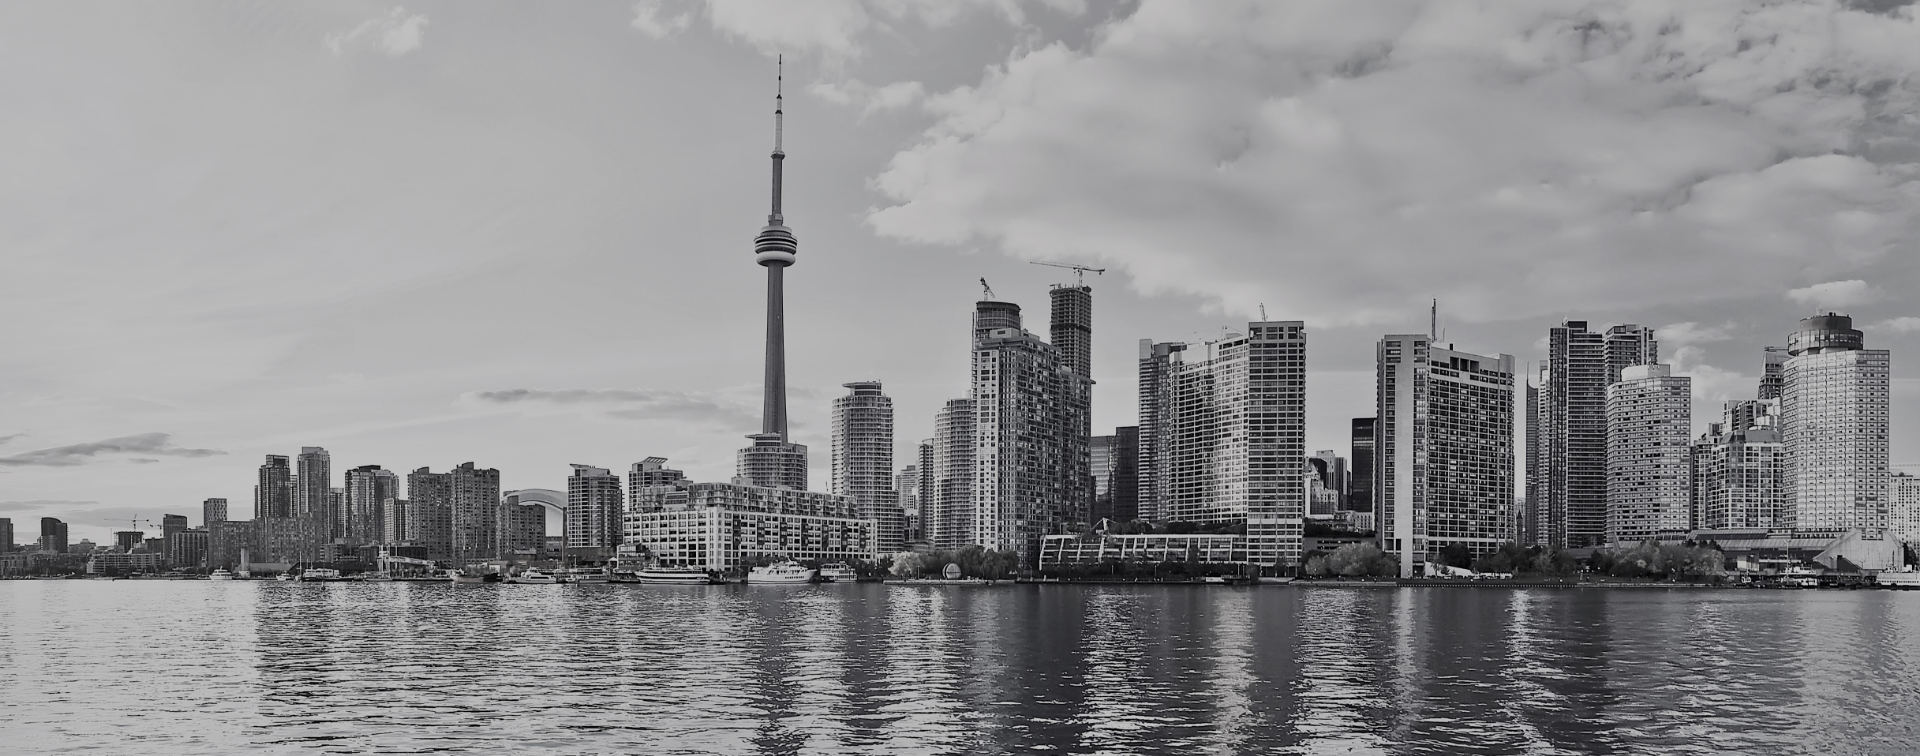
(650, 472)
(1329, 489)
(171, 524)
(773, 461)
(6, 534)
(863, 461)
(1567, 479)
(313, 497)
(1834, 424)
(53, 535)
(1904, 523)
(1125, 483)
(1443, 464)
(273, 491)
(1360, 486)
(1737, 469)
(1156, 398)
(949, 500)
(429, 512)
(1649, 456)
(368, 488)
(1072, 327)
(212, 511)
(1031, 477)
(1227, 431)
(906, 493)
(595, 513)
(473, 496)
(1771, 379)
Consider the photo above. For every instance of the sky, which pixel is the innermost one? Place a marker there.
(520, 234)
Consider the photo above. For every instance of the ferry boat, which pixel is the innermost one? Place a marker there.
(1799, 577)
(220, 574)
(1905, 578)
(320, 575)
(585, 575)
(532, 577)
(668, 576)
(784, 573)
(838, 572)
(461, 576)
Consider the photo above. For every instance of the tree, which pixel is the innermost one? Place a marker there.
(1457, 555)
(1361, 559)
(906, 564)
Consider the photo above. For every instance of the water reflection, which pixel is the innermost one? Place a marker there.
(263, 667)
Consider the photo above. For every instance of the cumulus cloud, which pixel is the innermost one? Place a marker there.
(34, 504)
(1899, 325)
(1354, 159)
(1683, 334)
(629, 404)
(394, 33)
(653, 18)
(1836, 294)
(831, 29)
(896, 96)
(159, 444)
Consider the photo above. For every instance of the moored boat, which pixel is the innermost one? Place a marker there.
(320, 575)
(784, 573)
(669, 576)
(376, 577)
(1906, 578)
(585, 575)
(532, 577)
(220, 574)
(838, 572)
(462, 576)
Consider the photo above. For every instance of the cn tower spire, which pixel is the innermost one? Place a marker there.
(774, 249)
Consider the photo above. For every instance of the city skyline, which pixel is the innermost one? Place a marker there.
(400, 374)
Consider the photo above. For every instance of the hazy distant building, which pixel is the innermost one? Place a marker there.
(523, 524)
(948, 496)
(1649, 455)
(6, 534)
(1567, 473)
(474, 494)
(1834, 423)
(429, 512)
(126, 540)
(1031, 476)
(1227, 428)
(1773, 377)
(313, 497)
(1444, 456)
(212, 511)
(187, 548)
(229, 540)
(595, 511)
(862, 469)
(1737, 469)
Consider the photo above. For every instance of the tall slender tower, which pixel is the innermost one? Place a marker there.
(772, 461)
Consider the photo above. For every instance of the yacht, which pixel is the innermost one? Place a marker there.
(669, 576)
(532, 577)
(586, 575)
(784, 573)
(284, 577)
(220, 574)
(838, 572)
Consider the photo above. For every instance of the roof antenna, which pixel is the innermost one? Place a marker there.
(1263, 312)
(1433, 321)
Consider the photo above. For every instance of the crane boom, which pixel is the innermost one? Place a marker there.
(1079, 271)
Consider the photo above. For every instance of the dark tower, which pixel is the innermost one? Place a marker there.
(774, 249)
(1073, 327)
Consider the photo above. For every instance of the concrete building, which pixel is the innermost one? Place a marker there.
(1649, 455)
(716, 526)
(126, 540)
(1737, 473)
(393, 522)
(862, 468)
(1116, 475)
(187, 549)
(1156, 385)
(171, 524)
(1443, 468)
(949, 494)
(1360, 476)
(523, 524)
(6, 535)
(273, 489)
(650, 472)
(1226, 425)
(313, 494)
(429, 512)
(595, 513)
(1031, 476)
(906, 491)
(367, 491)
(1071, 329)
(1773, 377)
(212, 511)
(474, 496)
(1326, 484)
(1834, 406)
(1192, 548)
(1904, 521)
(1567, 466)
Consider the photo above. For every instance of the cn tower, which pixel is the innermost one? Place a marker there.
(773, 461)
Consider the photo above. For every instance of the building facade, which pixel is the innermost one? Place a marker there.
(1444, 457)
(1737, 473)
(1649, 455)
(212, 511)
(718, 526)
(1834, 406)
(595, 513)
(367, 491)
(1156, 386)
(1567, 466)
(1032, 474)
(862, 468)
(473, 498)
(429, 512)
(1904, 521)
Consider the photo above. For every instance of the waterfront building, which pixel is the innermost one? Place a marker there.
(1191, 548)
(6, 535)
(1904, 520)
(1360, 476)
(273, 489)
(523, 523)
(171, 524)
(595, 513)
(212, 511)
(650, 472)
(1443, 467)
(1227, 429)
(429, 512)
(123, 562)
(863, 461)
(228, 539)
(1031, 476)
(187, 548)
(949, 497)
(1737, 469)
(924, 493)
(1156, 385)
(1649, 455)
(473, 499)
(126, 540)
(1834, 423)
(313, 495)
(716, 526)
(367, 491)
(1116, 475)
(1567, 464)
(393, 522)
(906, 491)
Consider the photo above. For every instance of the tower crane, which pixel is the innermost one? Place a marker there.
(988, 295)
(1079, 271)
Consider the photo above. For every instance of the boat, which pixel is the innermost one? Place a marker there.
(532, 577)
(1905, 578)
(376, 577)
(784, 573)
(585, 575)
(461, 576)
(220, 574)
(1798, 576)
(320, 575)
(668, 576)
(838, 572)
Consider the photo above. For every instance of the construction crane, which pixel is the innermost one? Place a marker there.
(1079, 271)
(988, 295)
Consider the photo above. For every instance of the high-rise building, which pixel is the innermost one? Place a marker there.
(1030, 419)
(523, 527)
(313, 497)
(53, 535)
(473, 498)
(1649, 455)
(6, 534)
(367, 491)
(171, 524)
(1156, 398)
(212, 511)
(1834, 423)
(863, 461)
(1567, 478)
(1103, 458)
(1125, 480)
(650, 472)
(1360, 478)
(127, 540)
(1904, 521)
(273, 490)
(1072, 327)
(1443, 463)
(187, 548)
(1330, 470)
(773, 461)
(906, 492)
(926, 493)
(393, 522)
(1226, 429)
(1737, 469)
(1772, 378)
(430, 512)
(595, 512)
(949, 498)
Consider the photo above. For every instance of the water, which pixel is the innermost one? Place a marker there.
(268, 667)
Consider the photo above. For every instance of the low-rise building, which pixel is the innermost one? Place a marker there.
(716, 526)
(1196, 548)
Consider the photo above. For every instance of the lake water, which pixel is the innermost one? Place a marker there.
(157, 667)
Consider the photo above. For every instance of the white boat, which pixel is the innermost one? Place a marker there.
(285, 577)
(838, 572)
(585, 575)
(461, 576)
(532, 577)
(784, 573)
(1905, 578)
(319, 575)
(220, 574)
(669, 576)
(376, 577)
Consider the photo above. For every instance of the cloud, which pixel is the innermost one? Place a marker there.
(395, 33)
(79, 454)
(1837, 294)
(1683, 334)
(1899, 325)
(630, 404)
(651, 18)
(33, 504)
(896, 96)
(1355, 159)
(11, 436)
(830, 29)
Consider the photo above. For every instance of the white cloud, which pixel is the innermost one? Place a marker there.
(1353, 160)
(832, 29)
(896, 96)
(395, 33)
(651, 18)
(1683, 334)
(628, 404)
(1907, 324)
(1836, 294)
